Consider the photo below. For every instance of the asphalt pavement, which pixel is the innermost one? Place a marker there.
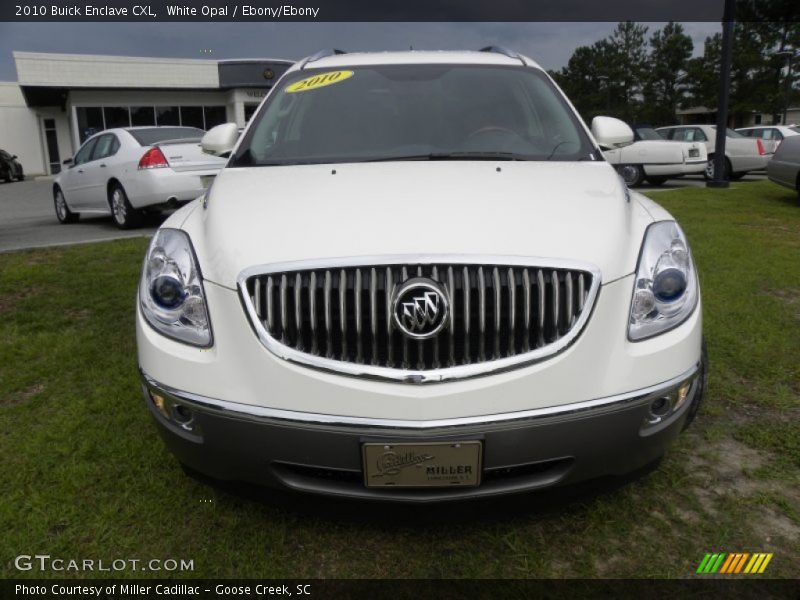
(28, 220)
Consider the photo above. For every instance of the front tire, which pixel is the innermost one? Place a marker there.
(633, 175)
(125, 216)
(63, 213)
(7, 176)
(21, 176)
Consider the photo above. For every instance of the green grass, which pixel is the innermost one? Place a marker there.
(85, 475)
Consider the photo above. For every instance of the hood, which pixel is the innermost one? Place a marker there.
(262, 215)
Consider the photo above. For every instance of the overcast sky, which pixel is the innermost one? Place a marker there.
(550, 44)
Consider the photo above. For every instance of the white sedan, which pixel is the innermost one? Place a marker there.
(770, 135)
(741, 154)
(123, 171)
(655, 159)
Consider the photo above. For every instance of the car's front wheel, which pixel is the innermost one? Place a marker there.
(125, 216)
(7, 175)
(633, 175)
(21, 175)
(63, 213)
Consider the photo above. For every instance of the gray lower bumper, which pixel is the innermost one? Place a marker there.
(322, 453)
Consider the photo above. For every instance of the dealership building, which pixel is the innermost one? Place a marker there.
(59, 100)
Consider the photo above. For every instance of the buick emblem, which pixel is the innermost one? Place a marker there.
(420, 308)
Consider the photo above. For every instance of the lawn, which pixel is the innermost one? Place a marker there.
(85, 475)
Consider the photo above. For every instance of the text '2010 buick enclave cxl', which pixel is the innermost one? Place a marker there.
(417, 279)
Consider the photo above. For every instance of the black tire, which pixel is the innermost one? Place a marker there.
(632, 175)
(7, 175)
(656, 180)
(708, 174)
(124, 215)
(701, 391)
(63, 213)
(21, 175)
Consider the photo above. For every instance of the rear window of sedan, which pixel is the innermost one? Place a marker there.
(154, 135)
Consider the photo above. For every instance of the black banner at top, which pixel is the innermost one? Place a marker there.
(389, 10)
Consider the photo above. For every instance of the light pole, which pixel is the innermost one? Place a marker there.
(790, 56)
(720, 178)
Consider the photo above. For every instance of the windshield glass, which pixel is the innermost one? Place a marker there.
(648, 133)
(413, 112)
(729, 132)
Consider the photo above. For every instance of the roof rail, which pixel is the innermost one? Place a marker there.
(321, 54)
(505, 51)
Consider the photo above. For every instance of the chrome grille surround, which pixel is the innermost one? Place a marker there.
(573, 299)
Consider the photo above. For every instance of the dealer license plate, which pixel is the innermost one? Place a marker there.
(435, 464)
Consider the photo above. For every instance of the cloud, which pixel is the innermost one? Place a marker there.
(550, 44)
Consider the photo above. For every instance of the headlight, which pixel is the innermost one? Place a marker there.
(171, 290)
(665, 292)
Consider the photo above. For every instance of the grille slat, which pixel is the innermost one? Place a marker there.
(345, 315)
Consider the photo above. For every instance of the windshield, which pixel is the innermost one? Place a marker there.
(413, 112)
(648, 133)
(729, 132)
(794, 128)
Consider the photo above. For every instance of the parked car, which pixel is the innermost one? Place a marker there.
(784, 168)
(417, 279)
(123, 172)
(10, 167)
(741, 154)
(655, 159)
(770, 135)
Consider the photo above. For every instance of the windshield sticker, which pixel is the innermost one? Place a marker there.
(318, 81)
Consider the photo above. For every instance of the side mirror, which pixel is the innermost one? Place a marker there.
(67, 161)
(220, 140)
(13, 156)
(611, 133)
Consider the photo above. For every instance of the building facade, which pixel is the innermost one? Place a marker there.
(61, 99)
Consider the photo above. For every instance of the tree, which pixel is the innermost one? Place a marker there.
(628, 52)
(664, 84)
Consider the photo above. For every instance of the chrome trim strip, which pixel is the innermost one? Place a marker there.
(407, 374)
(238, 410)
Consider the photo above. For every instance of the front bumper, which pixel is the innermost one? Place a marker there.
(321, 454)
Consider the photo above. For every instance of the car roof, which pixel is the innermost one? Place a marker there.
(415, 57)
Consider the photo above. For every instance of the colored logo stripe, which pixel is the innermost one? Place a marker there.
(734, 563)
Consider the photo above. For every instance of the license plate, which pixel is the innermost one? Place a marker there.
(435, 464)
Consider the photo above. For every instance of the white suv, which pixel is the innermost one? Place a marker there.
(417, 279)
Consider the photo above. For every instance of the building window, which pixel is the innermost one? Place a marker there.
(757, 120)
(143, 115)
(116, 116)
(214, 115)
(249, 111)
(168, 115)
(192, 116)
(90, 121)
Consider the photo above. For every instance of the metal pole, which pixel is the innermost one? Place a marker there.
(788, 88)
(720, 180)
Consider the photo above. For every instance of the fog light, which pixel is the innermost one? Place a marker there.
(660, 408)
(182, 415)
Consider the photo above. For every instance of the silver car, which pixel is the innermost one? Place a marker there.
(122, 172)
(784, 168)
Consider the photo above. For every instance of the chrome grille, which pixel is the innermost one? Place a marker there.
(340, 316)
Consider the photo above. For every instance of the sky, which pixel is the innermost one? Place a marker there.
(550, 44)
